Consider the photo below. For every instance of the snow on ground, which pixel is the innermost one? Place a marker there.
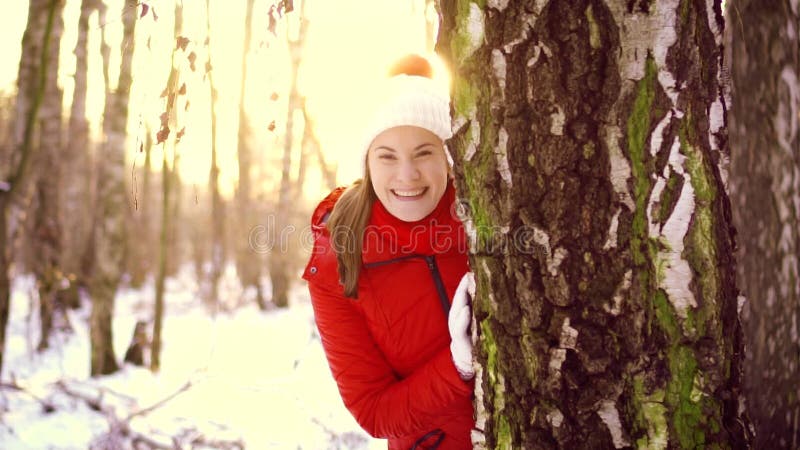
(256, 377)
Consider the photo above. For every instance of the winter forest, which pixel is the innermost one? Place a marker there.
(631, 171)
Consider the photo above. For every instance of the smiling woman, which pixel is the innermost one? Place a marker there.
(400, 354)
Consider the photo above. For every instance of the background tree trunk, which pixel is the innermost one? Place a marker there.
(281, 257)
(248, 265)
(75, 160)
(109, 236)
(167, 179)
(765, 188)
(46, 241)
(590, 151)
(33, 69)
(217, 206)
(141, 243)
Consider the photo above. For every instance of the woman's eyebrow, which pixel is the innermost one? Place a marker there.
(420, 146)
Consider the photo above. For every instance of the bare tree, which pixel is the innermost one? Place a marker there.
(248, 265)
(111, 209)
(281, 257)
(169, 120)
(590, 152)
(75, 160)
(217, 206)
(31, 82)
(765, 186)
(46, 240)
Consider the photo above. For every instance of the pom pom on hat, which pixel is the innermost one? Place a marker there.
(408, 97)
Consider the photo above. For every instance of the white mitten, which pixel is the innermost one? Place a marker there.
(458, 321)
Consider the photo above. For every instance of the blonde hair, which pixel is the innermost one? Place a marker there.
(346, 224)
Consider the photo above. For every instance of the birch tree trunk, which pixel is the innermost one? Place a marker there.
(46, 242)
(31, 81)
(217, 206)
(280, 257)
(590, 151)
(141, 243)
(109, 229)
(167, 179)
(765, 186)
(248, 265)
(76, 223)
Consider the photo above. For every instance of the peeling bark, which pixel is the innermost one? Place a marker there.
(589, 152)
(765, 188)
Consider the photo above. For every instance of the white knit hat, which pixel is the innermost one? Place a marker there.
(408, 100)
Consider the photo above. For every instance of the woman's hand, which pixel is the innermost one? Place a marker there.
(458, 321)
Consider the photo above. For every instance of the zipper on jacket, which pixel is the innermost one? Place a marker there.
(437, 280)
(435, 274)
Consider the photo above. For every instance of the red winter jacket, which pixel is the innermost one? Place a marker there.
(389, 350)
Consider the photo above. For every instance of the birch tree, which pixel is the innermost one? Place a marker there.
(248, 265)
(109, 227)
(46, 240)
(75, 159)
(590, 152)
(169, 121)
(280, 258)
(217, 206)
(765, 185)
(31, 82)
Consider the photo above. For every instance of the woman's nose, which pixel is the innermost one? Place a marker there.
(408, 171)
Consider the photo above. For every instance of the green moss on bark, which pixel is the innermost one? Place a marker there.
(638, 130)
(682, 398)
(700, 251)
(462, 45)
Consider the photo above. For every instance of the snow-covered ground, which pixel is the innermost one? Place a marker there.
(257, 378)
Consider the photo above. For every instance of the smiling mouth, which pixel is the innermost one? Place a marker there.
(410, 194)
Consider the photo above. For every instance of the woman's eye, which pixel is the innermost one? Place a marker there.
(424, 153)
(386, 157)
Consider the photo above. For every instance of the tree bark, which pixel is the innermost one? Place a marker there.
(33, 70)
(46, 242)
(109, 228)
(248, 265)
(590, 151)
(765, 189)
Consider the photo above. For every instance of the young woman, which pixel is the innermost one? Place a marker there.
(388, 276)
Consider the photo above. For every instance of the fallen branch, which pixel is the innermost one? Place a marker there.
(120, 429)
(47, 406)
(159, 403)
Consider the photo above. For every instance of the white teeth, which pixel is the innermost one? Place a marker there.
(413, 193)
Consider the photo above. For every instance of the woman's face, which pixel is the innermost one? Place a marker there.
(409, 171)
